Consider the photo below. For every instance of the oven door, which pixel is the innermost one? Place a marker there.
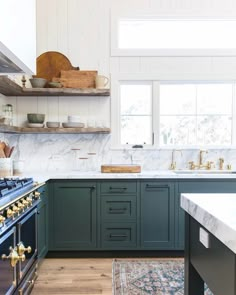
(27, 242)
(8, 261)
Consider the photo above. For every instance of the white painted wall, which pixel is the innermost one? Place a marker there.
(81, 30)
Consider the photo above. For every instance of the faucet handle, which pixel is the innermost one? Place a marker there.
(221, 163)
(192, 165)
(173, 166)
(210, 165)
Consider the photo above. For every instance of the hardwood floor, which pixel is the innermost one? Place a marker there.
(74, 276)
(71, 276)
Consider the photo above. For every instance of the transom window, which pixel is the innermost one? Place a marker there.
(173, 36)
(165, 114)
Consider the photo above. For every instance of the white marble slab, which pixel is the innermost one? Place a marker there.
(158, 174)
(216, 212)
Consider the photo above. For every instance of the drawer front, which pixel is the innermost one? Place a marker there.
(118, 235)
(118, 187)
(118, 207)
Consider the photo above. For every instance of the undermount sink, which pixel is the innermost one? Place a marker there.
(204, 171)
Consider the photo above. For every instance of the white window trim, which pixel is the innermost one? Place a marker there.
(156, 79)
(116, 51)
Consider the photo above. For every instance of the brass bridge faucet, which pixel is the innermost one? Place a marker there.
(200, 165)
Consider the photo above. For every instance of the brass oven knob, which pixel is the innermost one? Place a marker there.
(20, 205)
(25, 203)
(15, 209)
(13, 257)
(37, 195)
(21, 249)
(10, 213)
(2, 219)
(29, 200)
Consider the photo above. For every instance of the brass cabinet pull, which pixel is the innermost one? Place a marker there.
(21, 249)
(13, 257)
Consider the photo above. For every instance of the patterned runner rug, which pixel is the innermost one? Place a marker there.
(146, 277)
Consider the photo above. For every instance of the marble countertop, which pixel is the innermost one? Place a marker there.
(156, 174)
(216, 212)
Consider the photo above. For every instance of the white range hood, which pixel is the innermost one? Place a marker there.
(10, 63)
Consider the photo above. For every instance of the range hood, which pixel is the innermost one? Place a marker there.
(10, 63)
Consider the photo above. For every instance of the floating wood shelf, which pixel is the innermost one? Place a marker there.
(10, 88)
(19, 130)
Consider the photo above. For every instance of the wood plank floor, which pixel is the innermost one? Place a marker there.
(76, 276)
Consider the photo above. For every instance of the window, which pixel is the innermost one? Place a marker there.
(167, 114)
(173, 36)
(195, 114)
(136, 113)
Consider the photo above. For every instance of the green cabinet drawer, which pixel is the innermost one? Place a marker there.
(118, 207)
(118, 187)
(119, 236)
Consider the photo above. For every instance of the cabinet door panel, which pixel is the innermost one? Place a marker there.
(157, 215)
(74, 216)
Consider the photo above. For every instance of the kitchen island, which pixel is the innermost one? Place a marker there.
(210, 243)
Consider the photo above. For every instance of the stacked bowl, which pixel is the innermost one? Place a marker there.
(73, 121)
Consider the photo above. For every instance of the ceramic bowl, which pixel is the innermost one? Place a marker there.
(36, 118)
(38, 82)
(53, 124)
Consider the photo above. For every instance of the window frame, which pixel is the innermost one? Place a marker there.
(156, 81)
(116, 51)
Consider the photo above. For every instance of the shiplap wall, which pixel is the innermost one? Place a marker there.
(81, 30)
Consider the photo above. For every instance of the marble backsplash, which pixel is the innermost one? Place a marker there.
(86, 152)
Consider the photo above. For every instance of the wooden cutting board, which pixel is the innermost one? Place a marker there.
(120, 168)
(51, 63)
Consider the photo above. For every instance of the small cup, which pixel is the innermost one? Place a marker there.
(101, 81)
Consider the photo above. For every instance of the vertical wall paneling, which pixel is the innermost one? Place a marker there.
(25, 105)
(62, 26)
(53, 108)
(52, 22)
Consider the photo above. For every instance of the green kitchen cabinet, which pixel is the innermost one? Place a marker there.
(73, 215)
(157, 215)
(42, 223)
(119, 203)
(197, 186)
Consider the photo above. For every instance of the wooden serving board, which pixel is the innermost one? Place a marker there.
(120, 168)
(51, 63)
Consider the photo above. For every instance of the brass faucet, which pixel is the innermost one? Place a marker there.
(200, 165)
(221, 163)
(173, 162)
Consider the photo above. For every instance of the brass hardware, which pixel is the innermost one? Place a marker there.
(25, 203)
(192, 165)
(21, 249)
(29, 200)
(201, 157)
(15, 209)
(209, 165)
(2, 219)
(173, 162)
(20, 205)
(13, 256)
(221, 164)
(229, 167)
(10, 213)
(37, 195)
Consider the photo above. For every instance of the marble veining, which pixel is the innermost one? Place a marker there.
(54, 152)
(215, 212)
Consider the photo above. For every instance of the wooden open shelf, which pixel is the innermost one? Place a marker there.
(10, 88)
(19, 130)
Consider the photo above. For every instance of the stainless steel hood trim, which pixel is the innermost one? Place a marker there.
(10, 63)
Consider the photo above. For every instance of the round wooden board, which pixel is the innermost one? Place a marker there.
(50, 63)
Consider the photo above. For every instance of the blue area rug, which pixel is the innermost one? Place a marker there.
(156, 277)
